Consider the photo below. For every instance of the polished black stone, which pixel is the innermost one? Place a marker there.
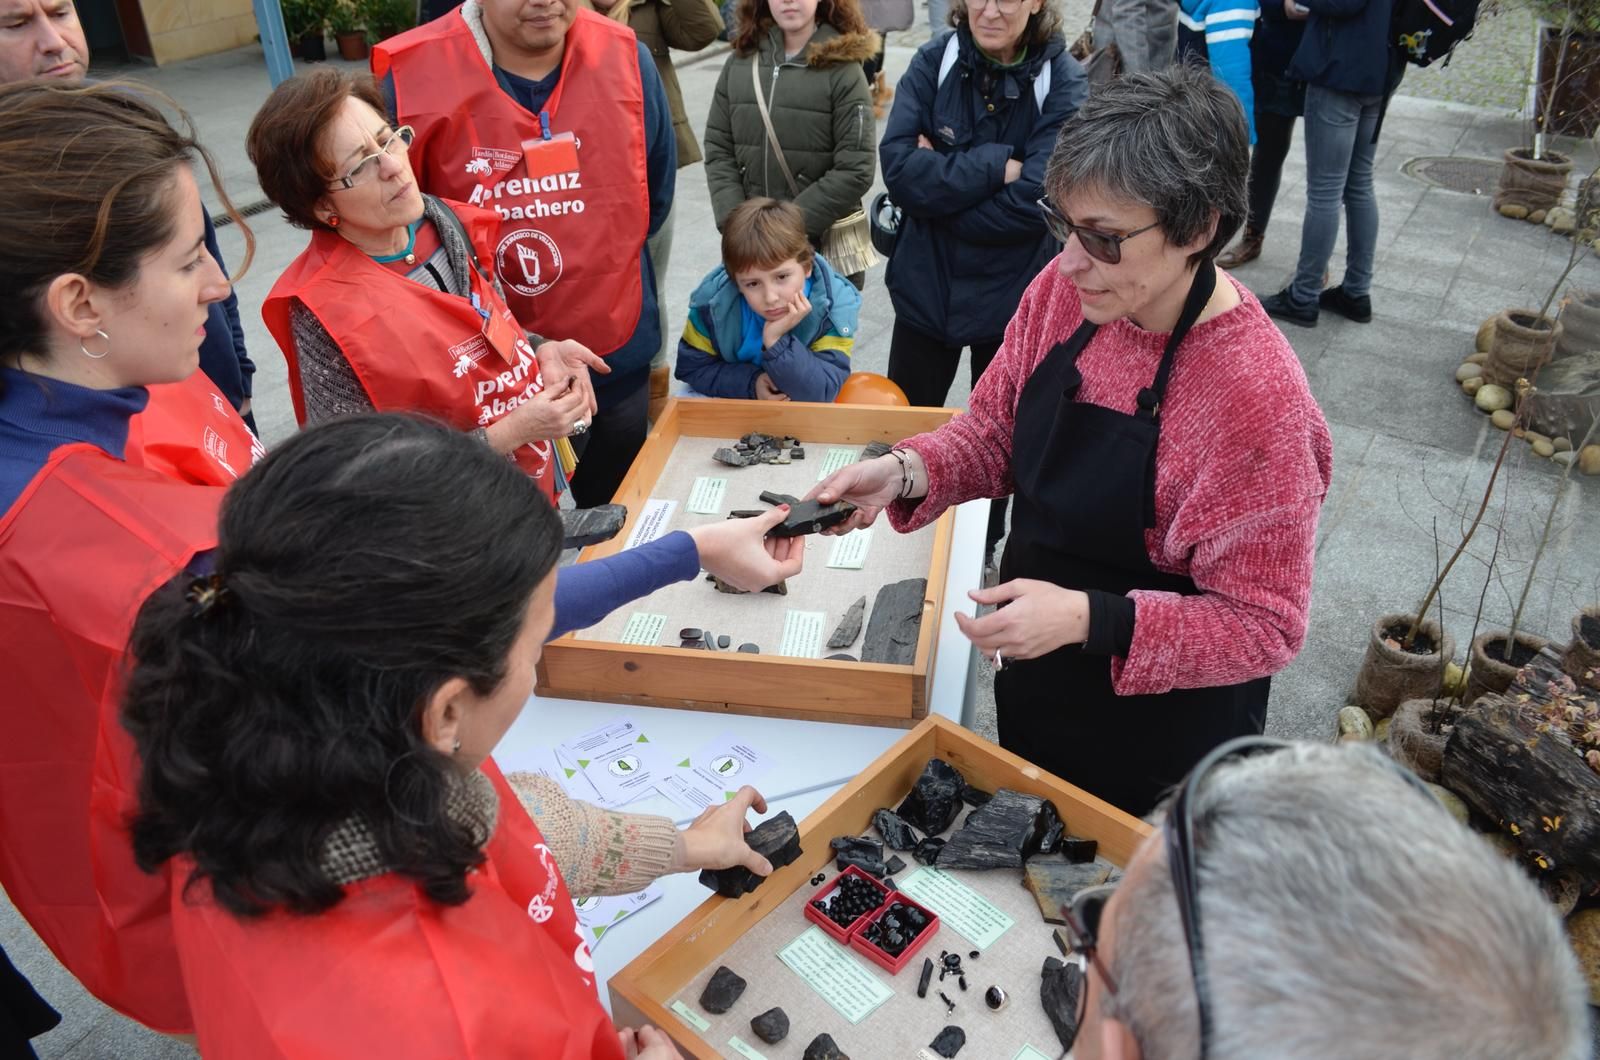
(1059, 985)
(590, 526)
(892, 630)
(935, 799)
(927, 976)
(927, 851)
(777, 839)
(750, 649)
(897, 833)
(722, 991)
(1051, 842)
(822, 1047)
(807, 517)
(1078, 850)
(724, 641)
(772, 1026)
(843, 658)
(948, 1042)
(1002, 834)
(995, 998)
(894, 864)
(690, 633)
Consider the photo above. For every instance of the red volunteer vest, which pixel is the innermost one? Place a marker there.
(413, 348)
(574, 212)
(388, 972)
(89, 538)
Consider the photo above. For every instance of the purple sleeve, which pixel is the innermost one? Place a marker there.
(588, 592)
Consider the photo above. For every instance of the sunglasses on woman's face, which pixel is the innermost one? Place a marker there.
(1101, 246)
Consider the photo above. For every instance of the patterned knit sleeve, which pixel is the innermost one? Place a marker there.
(599, 851)
(328, 382)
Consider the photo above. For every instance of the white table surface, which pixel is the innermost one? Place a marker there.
(811, 759)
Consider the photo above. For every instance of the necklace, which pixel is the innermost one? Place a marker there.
(409, 254)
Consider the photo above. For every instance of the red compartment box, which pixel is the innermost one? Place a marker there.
(841, 935)
(880, 957)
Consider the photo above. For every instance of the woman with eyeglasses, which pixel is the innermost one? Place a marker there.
(974, 120)
(392, 305)
(114, 452)
(1163, 448)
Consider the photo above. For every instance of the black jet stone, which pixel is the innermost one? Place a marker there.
(849, 627)
(772, 1026)
(1002, 834)
(927, 976)
(723, 640)
(777, 839)
(974, 796)
(1078, 850)
(690, 633)
(590, 526)
(894, 864)
(842, 657)
(935, 799)
(722, 991)
(927, 851)
(797, 453)
(1059, 985)
(750, 649)
(822, 1047)
(949, 1041)
(897, 834)
(1053, 837)
(995, 998)
(739, 456)
(807, 517)
(896, 620)
(864, 853)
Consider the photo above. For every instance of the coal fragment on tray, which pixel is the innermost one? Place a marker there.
(897, 833)
(948, 1042)
(722, 991)
(864, 853)
(1002, 834)
(822, 1047)
(897, 928)
(780, 589)
(927, 977)
(777, 839)
(1053, 837)
(852, 898)
(974, 796)
(935, 799)
(590, 526)
(893, 865)
(1078, 850)
(1059, 987)
(842, 657)
(1054, 881)
(873, 450)
(927, 851)
(808, 517)
(736, 457)
(849, 627)
(772, 1026)
(896, 620)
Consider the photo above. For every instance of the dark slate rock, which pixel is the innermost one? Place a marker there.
(722, 991)
(807, 517)
(1051, 829)
(1077, 850)
(873, 450)
(948, 1042)
(723, 641)
(777, 839)
(849, 627)
(927, 976)
(750, 649)
(1059, 985)
(896, 619)
(780, 589)
(737, 457)
(935, 799)
(1054, 880)
(894, 864)
(974, 796)
(822, 1047)
(772, 1026)
(590, 526)
(927, 851)
(864, 853)
(897, 834)
(1002, 834)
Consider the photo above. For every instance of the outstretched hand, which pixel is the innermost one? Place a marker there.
(740, 553)
(1038, 618)
(870, 485)
(562, 358)
(716, 838)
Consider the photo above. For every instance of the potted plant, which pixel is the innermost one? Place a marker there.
(1566, 78)
(385, 18)
(348, 30)
(303, 23)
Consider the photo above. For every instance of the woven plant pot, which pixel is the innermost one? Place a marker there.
(1582, 658)
(1490, 672)
(1580, 323)
(1412, 741)
(1517, 349)
(1390, 676)
(1529, 183)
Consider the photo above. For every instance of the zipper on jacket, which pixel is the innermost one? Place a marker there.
(860, 125)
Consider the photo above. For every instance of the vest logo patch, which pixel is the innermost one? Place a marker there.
(487, 160)
(466, 355)
(217, 448)
(528, 261)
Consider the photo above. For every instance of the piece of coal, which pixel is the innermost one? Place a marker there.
(897, 834)
(849, 627)
(690, 633)
(873, 450)
(927, 976)
(777, 839)
(797, 453)
(1054, 881)
(1078, 850)
(893, 865)
(948, 1042)
(722, 991)
(842, 657)
(723, 640)
(736, 457)
(1059, 986)
(590, 526)
(927, 851)
(1053, 837)
(1002, 834)
(935, 798)
(750, 649)
(772, 1026)
(812, 517)
(781, 589)
(822, 1047)
(1063, 941)
(896, 619)
(974, 796)
(865, 854)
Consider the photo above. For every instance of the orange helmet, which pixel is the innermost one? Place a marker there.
(870, 388)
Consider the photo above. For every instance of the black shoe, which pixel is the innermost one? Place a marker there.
(1357, 309)
(1283, 307)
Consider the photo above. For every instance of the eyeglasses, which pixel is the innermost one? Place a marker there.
(1101, 246)
(1005, 7)
(1082, 915)
(367, 168)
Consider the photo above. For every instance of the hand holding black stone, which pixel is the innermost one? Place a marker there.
(777, 839)
(807, 517)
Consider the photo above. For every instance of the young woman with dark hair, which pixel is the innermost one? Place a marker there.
(315, 719)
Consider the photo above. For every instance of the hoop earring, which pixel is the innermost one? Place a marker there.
(333, 220)
(97, 356)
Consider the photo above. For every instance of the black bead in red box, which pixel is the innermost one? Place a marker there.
(895, 932)
(841, 903)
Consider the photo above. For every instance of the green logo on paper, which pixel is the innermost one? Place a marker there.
(624, 766)
(726, 765)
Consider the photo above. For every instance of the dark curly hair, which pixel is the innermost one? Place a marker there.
(753, 18)
(364, 562)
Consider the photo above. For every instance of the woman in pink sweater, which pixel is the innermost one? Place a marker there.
(1166, 455)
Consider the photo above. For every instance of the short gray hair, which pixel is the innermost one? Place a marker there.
(1345, 914)
(1173, 139)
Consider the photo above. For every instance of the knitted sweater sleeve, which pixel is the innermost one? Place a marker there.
(328, 382)
(599, 852)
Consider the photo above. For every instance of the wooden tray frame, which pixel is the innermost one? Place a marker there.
(766, 685)
(641, 991)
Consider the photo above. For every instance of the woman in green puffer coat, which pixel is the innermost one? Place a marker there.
(808, 54)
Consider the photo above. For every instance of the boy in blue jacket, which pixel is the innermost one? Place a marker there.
(773, 321)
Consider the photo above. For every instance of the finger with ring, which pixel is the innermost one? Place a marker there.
(580, 426)
(999, 663)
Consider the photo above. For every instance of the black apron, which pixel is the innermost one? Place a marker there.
(1085, 494)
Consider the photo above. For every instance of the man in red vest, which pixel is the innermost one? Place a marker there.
(555, 118)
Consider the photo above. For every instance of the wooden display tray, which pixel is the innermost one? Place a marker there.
(768, 685)
(641, 991)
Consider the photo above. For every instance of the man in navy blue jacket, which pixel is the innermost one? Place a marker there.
(1350, 70)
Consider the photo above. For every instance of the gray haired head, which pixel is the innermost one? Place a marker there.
(1173, 139)
(1345, 914)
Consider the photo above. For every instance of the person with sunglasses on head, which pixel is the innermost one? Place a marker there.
(390, 306)
(1317, 902)
(974, 121)
(1166, 458)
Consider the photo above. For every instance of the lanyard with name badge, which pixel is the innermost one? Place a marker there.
(550, 153)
